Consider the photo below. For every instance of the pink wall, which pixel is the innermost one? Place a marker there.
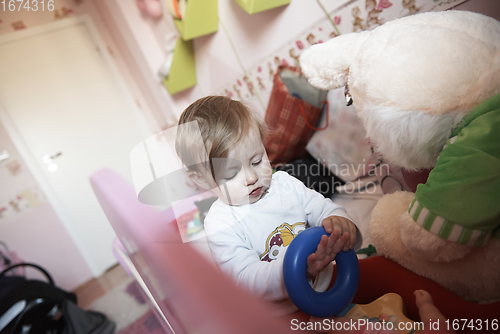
(34, 232)
(156, 115)
(37, 234)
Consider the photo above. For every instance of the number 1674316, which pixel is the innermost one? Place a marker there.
(27, 5)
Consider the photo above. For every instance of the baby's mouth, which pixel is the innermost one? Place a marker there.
(256, 191)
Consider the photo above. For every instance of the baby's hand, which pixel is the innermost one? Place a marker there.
(327, 249)
(343, 225)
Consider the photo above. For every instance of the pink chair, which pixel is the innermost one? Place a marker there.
(187, 292)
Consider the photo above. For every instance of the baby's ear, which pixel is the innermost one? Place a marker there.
(327, 65)
(199, 180)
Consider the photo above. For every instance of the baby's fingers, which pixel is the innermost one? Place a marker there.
(328, 225)
(332, 240)
(312, 271)
(352, 231)
(343, 243)
(311, 259)
(322, 248)
(334, 223)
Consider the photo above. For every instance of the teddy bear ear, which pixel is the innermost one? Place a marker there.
(327, 65)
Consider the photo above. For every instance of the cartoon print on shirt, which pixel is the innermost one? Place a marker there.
(279, 239)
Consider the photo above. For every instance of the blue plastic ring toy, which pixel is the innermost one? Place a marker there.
(318, 304)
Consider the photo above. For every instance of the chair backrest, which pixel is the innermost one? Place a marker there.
(192, 293)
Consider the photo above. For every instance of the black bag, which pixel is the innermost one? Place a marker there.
(36, 307)
(313, 174)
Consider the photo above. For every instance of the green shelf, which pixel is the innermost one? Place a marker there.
(255, 6)
(182, 71)
(201, 18)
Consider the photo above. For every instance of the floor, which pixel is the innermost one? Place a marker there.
(97, 287)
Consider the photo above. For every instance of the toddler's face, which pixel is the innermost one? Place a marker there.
(244, 177)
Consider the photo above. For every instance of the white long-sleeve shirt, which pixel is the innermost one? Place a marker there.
(248, 242)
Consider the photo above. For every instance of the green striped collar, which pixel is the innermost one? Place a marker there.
(445, 229)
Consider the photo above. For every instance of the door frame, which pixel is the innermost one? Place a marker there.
(23, 147)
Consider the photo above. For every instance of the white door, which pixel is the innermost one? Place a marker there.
(62, 98)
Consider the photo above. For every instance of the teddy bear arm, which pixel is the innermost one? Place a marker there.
(427, 245)
(394, 231)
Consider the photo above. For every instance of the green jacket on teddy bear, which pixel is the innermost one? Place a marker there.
(463, 204)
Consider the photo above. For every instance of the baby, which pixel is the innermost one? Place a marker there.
(257, 213)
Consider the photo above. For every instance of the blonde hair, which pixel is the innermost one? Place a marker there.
(222, 123)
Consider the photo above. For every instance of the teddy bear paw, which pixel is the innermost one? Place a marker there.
(427, 245)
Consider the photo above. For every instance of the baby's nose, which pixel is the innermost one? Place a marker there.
(250, 177)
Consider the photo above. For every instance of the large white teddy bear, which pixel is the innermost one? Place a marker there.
(426, 88)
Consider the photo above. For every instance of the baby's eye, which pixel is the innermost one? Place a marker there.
(256, 163)
(228, 178)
